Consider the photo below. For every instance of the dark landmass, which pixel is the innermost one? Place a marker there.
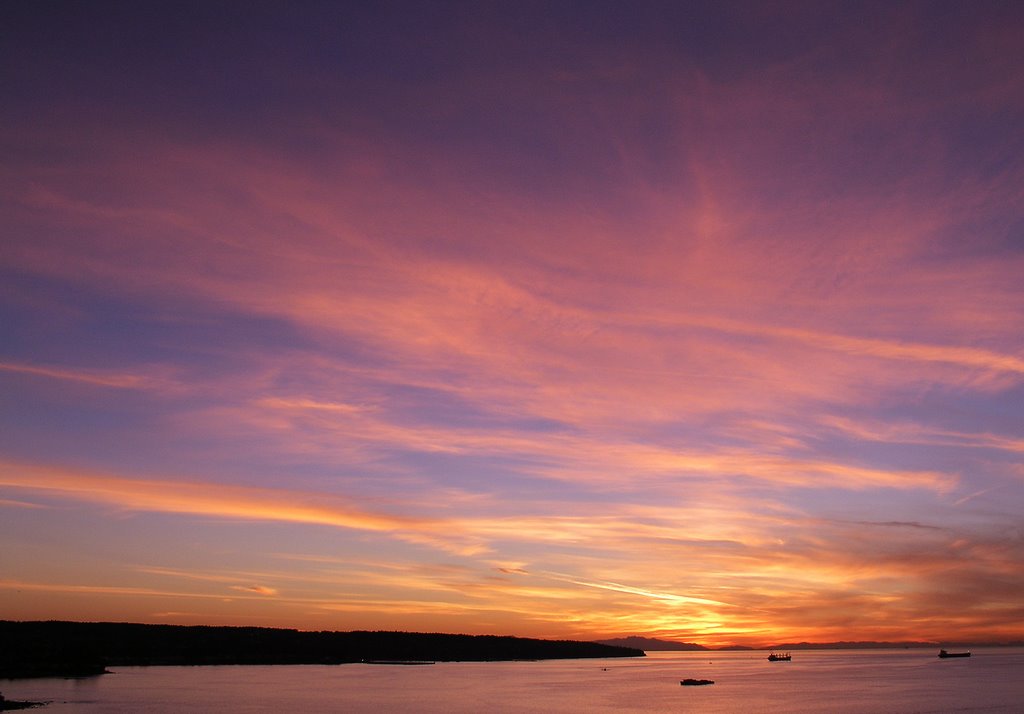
(9, 705)
(77, 649)
(652, 644)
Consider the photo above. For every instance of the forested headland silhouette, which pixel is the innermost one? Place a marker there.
(75, 649)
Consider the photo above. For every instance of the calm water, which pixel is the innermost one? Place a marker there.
(889, 681)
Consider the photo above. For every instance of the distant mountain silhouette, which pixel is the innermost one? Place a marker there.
(70, 649)
(844, 645)
(872, 645)
(652, 644)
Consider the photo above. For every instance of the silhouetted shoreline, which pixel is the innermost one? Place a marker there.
(79, 649)
(10, 705)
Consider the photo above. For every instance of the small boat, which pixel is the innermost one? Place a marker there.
(946, 655)
(696, 682)
(780, 657)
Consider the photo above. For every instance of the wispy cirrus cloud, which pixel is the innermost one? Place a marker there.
(598, 458)
(156, 380)
(910, 433)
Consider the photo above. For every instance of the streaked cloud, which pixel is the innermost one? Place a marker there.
(93, 377)
(223, 501)
(258, 589)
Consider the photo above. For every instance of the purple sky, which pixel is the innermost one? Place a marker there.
(702, 321)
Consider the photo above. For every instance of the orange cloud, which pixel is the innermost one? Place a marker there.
(217, 500)
(74, 588)
(258, 589)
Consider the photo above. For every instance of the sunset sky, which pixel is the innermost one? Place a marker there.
(701, 321)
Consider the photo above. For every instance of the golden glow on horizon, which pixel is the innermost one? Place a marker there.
(729, 595)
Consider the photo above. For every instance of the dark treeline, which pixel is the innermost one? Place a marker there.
(56, 648)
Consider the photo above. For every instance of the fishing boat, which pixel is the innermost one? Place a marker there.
(780, 657)
(946, 655)
(696, 682)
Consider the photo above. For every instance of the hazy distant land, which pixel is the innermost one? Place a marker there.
(74, 649)
(651, 644)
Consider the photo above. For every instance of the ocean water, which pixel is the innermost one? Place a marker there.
(862, 681)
